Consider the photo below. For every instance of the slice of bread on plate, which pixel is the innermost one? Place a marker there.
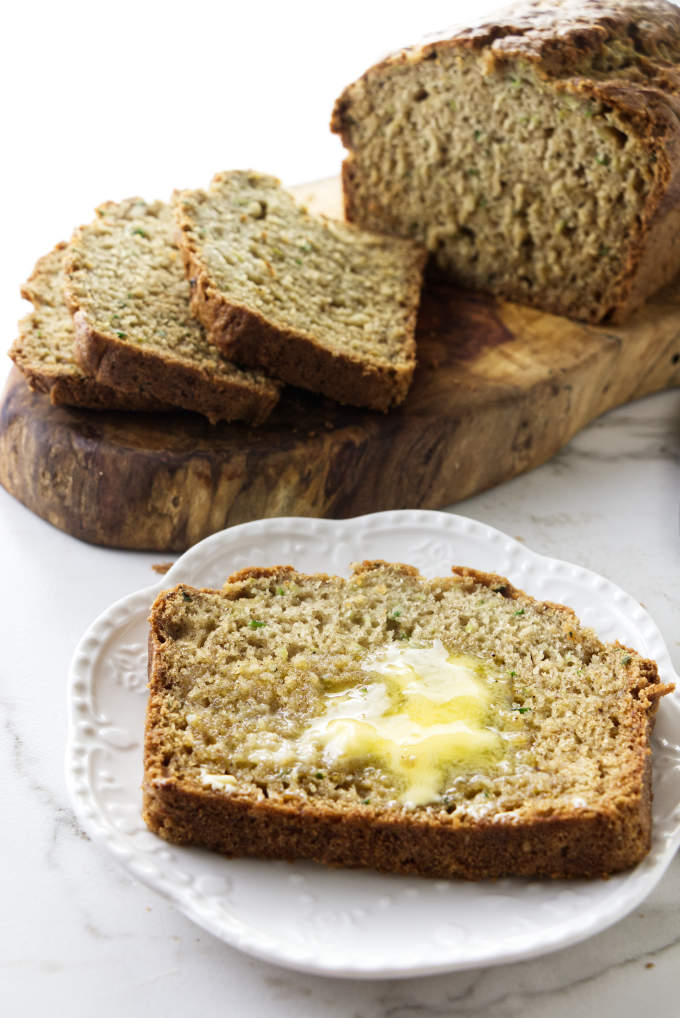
(312, 301)
(43, 350)
(134, 330)
(452, 727)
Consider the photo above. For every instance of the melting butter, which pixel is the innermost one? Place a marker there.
(422, 713)
(426, 717)
(220, 782)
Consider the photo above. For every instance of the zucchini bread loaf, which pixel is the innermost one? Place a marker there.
(537, 155)
(314, 302)
(449, 727)
(44, 353)
(134, 330)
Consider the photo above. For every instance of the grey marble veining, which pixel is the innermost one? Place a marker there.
(83, 938)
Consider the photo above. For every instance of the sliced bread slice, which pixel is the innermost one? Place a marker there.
(449, 727)
(134, 330)
(316, 303)
(43, 350)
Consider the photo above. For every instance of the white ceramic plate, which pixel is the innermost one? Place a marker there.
(335, 922)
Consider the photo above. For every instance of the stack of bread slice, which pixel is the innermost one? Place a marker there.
(534, 157)
(211, 302)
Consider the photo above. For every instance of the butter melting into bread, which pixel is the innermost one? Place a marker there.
(449, 727)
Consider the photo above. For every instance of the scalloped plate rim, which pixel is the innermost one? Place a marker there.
(233, 933)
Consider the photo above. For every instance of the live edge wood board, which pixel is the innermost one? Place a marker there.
(499, 388)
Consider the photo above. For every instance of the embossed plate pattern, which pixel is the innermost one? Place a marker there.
(352, 923)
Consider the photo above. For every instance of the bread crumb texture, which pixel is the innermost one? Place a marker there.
(536, 156)
(277, 701)
(267, 275)
(126, 286)
(47, 332)
(44, 349)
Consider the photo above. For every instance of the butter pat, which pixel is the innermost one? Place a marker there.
(426, 717)
(421, 714)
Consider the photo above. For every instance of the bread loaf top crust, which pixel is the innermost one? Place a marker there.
(568, 34)
(625, 53)
(622, 57)
(632, 40)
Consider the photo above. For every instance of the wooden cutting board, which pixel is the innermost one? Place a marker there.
(499, 388)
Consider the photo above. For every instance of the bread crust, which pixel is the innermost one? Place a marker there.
(64, 382)
(562, 41)
(147, 372)
(123, 367)
(552, 843)
(247, 337)
(82, 391)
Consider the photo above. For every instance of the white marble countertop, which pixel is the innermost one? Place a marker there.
(81, 937)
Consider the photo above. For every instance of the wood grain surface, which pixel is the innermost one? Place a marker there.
(499, 389)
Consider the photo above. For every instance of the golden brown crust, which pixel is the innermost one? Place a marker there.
(288, 572)
(553, 842)
(255, 572)
(590, 845)
(125, 257)
(121, 366)
(566, 41)
(247, 338)
(68, 389)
